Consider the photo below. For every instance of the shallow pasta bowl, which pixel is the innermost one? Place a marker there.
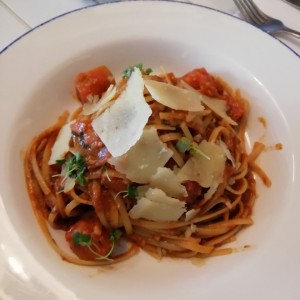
(37, 74)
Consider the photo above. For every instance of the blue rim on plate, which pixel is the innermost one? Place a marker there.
(116, 1)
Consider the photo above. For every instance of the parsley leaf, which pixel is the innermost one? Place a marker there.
(60, 161)
(184, 145)
(75, 168)
(115, 234)
(81, 239)
(85, 240)
(132, 191)
(127, 72)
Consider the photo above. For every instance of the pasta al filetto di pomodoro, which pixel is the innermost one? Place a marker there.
(158, 161)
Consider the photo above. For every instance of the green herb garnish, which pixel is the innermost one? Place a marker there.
(115, 234)
(75, 166)
(81, 239)
(60, 161)
(127, 72)
(185, 145)
(132, 191)
(85, 240)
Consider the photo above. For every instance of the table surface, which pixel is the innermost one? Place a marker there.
(17, 16)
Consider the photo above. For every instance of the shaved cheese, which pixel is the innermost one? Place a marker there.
(143, 159)
(61, 145)
(157, 206)
(157, 195)
(191, 214)
(206, 172)
(166, 180)
(141, 190)
(121, 125)
(227, 152)
(95, 104)
(173, 96)
(190, 230)
(213, 188)
(218, 106)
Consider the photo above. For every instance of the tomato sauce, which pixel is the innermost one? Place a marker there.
(193, 189)
(206, 84)
(88, 143)
(89, 225)
(93, 83)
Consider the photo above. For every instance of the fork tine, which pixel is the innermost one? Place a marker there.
(246, 12)
(257, 12)
(243, 10)
(251, 12)
(254, 15)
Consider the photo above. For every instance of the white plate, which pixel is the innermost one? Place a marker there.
(36, 75)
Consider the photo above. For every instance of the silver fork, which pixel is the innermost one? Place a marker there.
(255, 16)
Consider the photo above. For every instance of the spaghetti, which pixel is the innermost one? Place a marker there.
(192, 203)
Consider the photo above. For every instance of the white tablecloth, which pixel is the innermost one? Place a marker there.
(17, 17)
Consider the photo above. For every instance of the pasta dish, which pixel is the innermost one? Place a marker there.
(152, 162)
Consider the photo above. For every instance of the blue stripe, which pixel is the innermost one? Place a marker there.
(119, 1)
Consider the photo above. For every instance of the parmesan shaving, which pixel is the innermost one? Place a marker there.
(157, 206)
(61, 145)
(218, 106)
(207, 172)
(166, 180)
(191, 214)
(227, 152)
(143, 159)
(121, 125)
(95, 104)
(173, 96)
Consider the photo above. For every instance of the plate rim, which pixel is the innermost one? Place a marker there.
(122, 1)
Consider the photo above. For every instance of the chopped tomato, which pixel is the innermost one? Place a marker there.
(172, 78)
(115, 184)
(193, 190)
(88, 143)
(93, 82)
(236, 109)
(100, 243)
(206, 84)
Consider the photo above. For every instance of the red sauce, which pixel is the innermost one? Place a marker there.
(263, 121)
(88, 143)
(206, 84)
(276, 147)
(236, 110)
(193, 189)
(114, 184)
(101, 244)
(93, 82)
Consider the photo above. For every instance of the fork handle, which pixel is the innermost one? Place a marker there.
(290, 31)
